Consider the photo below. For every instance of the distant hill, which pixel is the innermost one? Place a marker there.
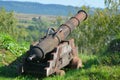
(37, 8)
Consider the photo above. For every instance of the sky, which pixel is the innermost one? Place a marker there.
(77, 3)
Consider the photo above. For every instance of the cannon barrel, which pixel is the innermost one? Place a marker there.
(39, 50)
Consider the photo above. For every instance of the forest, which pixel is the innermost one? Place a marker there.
(97, 38)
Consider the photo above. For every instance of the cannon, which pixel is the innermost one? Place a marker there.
(53, 52)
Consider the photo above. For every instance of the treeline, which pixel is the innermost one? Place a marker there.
(92, 36)
(9, 25)
(8, 22)
(35, 28)
(95, 34)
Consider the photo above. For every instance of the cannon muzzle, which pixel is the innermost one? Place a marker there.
(51, 41)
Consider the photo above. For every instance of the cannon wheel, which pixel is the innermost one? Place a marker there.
(60, 72)
(76, 63)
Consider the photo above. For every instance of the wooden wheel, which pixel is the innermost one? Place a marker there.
(76, 63)
(60, 72)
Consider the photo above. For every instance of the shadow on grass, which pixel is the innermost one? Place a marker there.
(90, 62)
(12, 70)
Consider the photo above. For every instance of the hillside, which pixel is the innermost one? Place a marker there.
(37, 8)
(97, 40)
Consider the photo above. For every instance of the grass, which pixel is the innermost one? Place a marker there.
(92, 68)
(90, 71)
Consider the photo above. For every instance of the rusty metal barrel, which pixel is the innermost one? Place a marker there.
(49, 43)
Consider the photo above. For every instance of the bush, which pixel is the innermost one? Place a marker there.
(8, 43)
(112, 55)
(110, 58)
(8, 22)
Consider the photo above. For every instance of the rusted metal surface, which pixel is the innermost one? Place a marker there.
(51, 41)
(60, 57)
(52, 52)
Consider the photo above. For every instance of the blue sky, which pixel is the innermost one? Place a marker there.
(79, 3)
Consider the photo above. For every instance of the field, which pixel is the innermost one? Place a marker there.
(97, 38)
(95, 67)
(91, 70)
(30, 17)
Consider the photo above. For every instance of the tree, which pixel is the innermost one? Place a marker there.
(8, 22)
(97, 31)
(58, 21)
(113, 5)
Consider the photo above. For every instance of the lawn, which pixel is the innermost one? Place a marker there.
(91, 70)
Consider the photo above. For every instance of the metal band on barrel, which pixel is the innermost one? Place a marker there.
(84, 12)
(58, 38)
(67, 27)
(76, 19)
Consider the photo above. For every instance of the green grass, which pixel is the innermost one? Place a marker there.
(90, 71)
(93, 68)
